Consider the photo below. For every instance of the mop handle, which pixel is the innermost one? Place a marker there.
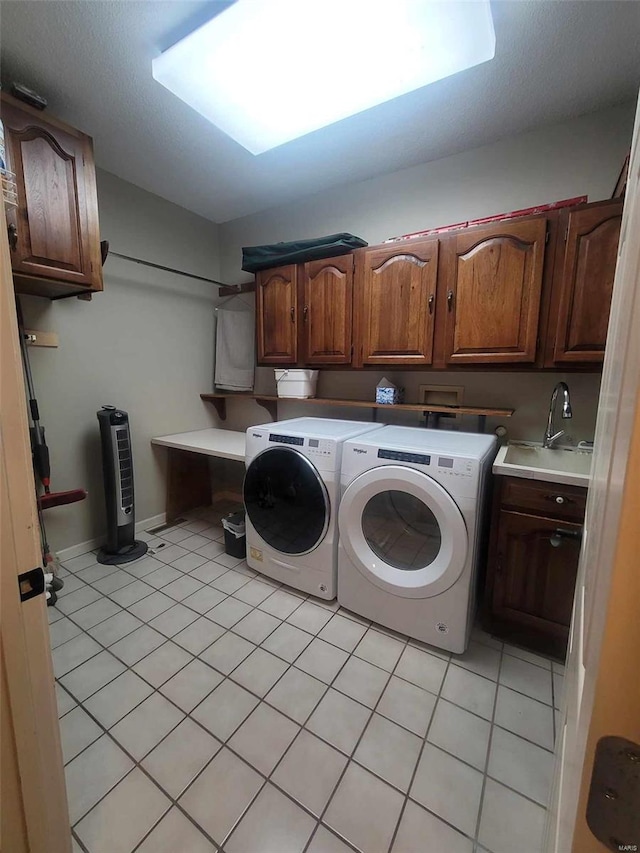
(38, 444)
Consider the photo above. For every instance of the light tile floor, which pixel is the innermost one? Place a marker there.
(204, 707)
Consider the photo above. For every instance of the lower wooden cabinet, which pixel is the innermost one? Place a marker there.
(533, 561)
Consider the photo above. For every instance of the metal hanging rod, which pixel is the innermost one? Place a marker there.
(171, 269)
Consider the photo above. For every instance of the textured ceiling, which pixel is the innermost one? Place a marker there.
(92, 60)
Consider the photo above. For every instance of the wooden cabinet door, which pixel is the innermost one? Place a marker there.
(396, 301)
(276, 310)
(53, 234)
(535, 573)
(493, 282)
(326, 315)
(584, 279)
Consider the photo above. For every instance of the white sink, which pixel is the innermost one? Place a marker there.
(532, 461)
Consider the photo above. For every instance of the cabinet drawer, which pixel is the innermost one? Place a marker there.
(551, 499)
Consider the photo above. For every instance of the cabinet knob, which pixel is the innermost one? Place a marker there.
(304, 313)
(559, 499)
(450, 299)
(12, 231)
(431, 301)
(292, 311)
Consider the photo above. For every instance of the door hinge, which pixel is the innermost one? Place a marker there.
(612, 806)
(31, 583)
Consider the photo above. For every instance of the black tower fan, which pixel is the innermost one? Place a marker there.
(117, 467)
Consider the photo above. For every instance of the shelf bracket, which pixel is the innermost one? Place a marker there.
(220, 404)
(270, 405)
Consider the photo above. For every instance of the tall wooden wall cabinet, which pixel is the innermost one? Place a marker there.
(54, 237)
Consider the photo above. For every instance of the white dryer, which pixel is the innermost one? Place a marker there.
(410, 523)
(291, 493)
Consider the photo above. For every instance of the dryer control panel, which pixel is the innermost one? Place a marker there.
(453, 467)
(401, 456)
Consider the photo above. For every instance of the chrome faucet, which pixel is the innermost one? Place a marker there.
(550, 436)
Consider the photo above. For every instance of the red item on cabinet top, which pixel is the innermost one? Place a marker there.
(498, 217)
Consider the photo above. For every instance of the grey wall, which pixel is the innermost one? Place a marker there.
(145, 344)
(578, 157)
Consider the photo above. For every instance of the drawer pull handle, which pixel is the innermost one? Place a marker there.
(559, 536)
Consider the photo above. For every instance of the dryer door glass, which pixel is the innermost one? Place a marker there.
(286, 500)
(401, 530)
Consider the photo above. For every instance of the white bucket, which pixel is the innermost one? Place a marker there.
(296, 383)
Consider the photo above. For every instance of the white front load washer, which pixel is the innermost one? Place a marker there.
(410, 523)
(291, 492)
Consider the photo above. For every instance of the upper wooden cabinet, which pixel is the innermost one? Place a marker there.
(304, 313)
(533, 292)
(327, 287)
(276, 309)
(53, 233)
(583, 282)
(493, 281)
(396, 303)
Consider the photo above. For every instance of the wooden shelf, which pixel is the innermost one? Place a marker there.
(270, 403)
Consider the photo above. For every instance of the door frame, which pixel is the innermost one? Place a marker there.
(32, 777)
(605, 632)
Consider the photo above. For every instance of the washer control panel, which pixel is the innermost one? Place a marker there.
(319, 447)
(286, 439)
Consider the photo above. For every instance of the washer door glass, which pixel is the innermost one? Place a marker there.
(401, 530)
(286, 500)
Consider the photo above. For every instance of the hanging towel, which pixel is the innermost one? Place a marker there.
(235, 349)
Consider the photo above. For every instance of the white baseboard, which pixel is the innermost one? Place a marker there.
(91, 544)
(150, 523)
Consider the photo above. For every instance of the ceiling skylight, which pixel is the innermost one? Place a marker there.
(269, 71)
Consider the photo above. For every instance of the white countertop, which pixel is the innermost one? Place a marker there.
(223, 443)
